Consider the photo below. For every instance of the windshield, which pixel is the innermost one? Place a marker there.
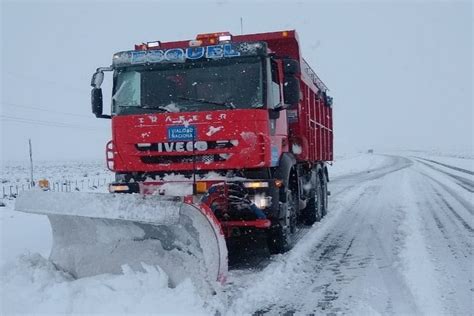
(193, 86)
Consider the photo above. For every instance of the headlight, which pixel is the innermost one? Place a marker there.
(256, 184)
(261, 201)
(118, 188)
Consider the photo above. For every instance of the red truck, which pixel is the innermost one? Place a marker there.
(243, 120)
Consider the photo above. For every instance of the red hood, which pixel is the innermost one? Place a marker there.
(229, 139)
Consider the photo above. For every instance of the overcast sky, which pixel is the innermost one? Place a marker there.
(400, 72)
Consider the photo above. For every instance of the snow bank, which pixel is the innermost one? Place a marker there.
(34, 285)
(357, 163)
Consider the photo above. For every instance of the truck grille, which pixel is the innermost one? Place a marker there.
(184, 159)
(219, 144)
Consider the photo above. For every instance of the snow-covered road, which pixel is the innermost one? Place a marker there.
(397, 240)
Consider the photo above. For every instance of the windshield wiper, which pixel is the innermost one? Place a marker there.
(163, 108)
(226, 104)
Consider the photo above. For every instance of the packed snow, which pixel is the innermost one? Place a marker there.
(397, 240)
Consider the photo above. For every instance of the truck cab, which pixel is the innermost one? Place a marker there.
(234, 106)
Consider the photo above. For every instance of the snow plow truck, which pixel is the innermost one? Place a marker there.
(212, 138)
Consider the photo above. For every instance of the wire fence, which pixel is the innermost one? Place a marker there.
(11, 191)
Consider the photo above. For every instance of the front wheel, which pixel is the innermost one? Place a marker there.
(280, 235)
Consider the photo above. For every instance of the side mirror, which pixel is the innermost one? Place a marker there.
(96, 101)
(97, 79)
(96, 93)
(291, 90)
(291, 66)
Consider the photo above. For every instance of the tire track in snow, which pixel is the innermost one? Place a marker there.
(317, 260)
(453, 211)
(333, 263)
(364, 259)
(448, 244)
(433, 205)
(449, 210)
(260, 258)
(447, 166)
(252, 247)
(461, 181)
(445, 205)
(467, 205)
(293, 269)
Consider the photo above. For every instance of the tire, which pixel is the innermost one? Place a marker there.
(324, 195)
(313, 211)
(280, 235)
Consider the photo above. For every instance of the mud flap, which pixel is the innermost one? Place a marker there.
(96, 233)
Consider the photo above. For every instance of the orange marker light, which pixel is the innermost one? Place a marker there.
(201, 187)
(43, 184)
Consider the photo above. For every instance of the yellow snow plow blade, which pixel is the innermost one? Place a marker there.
(95, 233)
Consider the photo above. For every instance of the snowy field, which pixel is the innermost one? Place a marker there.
(398, 240)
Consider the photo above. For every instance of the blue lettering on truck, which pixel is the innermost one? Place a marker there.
(179, 55)
(182, 133)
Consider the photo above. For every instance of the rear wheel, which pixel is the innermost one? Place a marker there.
(313, 211)
(324, 195)
(280, 236)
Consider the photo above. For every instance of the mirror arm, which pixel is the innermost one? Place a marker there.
(281, 107)
(104, 116)
(100, 69)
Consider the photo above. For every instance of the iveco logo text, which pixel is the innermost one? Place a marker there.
(182, 146)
